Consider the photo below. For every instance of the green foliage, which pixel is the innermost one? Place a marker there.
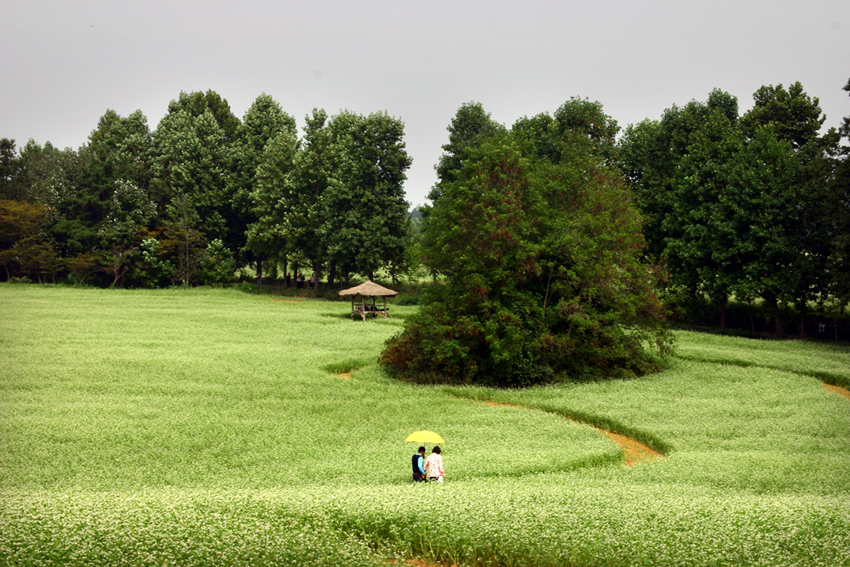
(738, 206)
(24, 243)
(190, 163)
(151, 268)
(272, 199)
(366, 223)
(217, 266)
(263, 122)
(541, 257)
(469, 126)
(10, 182)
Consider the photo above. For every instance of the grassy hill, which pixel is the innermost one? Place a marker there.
(209, 427)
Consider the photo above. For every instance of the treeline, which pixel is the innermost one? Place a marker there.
(738, 210)
(754, 207)
(207, 194)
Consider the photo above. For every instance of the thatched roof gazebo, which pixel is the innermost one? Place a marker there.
(366, 290)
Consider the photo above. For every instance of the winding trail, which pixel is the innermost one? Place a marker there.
(634, 452)
(837, 390)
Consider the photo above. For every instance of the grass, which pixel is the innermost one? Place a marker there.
(200, 427)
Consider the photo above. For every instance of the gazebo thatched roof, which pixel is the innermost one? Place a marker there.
(369, 289)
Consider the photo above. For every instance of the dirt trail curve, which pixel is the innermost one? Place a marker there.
(634, 452)
(838, 390)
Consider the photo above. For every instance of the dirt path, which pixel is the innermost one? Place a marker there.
(837, 390)
(634, 452)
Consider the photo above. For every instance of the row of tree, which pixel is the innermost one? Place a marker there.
(753, 207)
(554, 236)
(206, 194)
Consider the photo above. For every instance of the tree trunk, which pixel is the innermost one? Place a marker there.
(332, 274)
(770, 298)
(317, 271)
(803, 319)
(724, 301)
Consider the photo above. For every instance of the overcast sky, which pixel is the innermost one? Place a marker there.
(65, 62)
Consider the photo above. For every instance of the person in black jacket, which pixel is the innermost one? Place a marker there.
(418, 470)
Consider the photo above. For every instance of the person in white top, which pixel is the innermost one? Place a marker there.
(434, 466)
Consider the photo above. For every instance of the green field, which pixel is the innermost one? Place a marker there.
(211, 427)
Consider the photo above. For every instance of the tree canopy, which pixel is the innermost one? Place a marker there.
(541, 255)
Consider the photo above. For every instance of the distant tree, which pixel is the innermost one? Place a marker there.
(121, 231)
(801, 206)
(470, 125)
(21, 226)
(190, 162)
(217, 265)
(152, 267)
(273, 200)
(737, 206)
(182, 240)
(366, 225)
(197, 103)
(839, 216)
(10, 183)
(680, 169)
(82, 266)
(313, 168)
(796, 117)
(263, 121)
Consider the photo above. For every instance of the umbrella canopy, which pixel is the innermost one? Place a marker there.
(424, 436)
(369, 289)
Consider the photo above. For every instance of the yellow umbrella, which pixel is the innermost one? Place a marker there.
(424, 436)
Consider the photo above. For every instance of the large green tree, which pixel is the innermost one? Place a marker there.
(190, 160)
(737, 205)
(799, 207)
(541, 253)
(263, 121)
(680, 169)
(273, 199)
(470, 125)
(839, 215)
(10, 187)
(366, 224)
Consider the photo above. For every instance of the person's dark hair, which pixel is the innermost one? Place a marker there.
(421, 450)
(436, 450)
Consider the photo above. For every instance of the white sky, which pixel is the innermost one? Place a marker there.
(65, 62)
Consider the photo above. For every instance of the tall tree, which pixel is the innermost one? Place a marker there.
(795, 118)
(10, 184)
(263, 121)
(366, 225)
(542, 265)
(839, 207)
(272, 199)
(21, 229)
(470, 125)
(190, 160)
(197, 103)
(680, 168)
